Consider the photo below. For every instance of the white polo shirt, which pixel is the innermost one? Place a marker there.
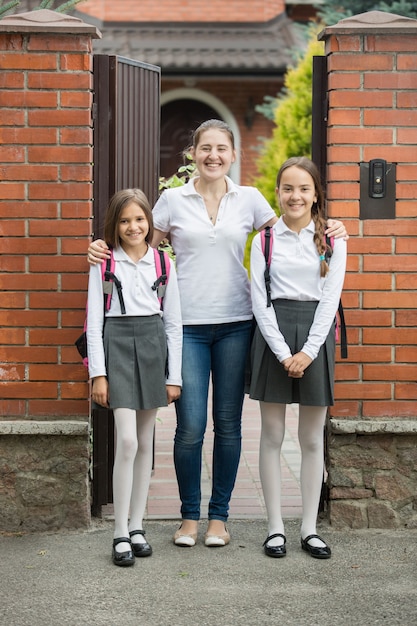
(295, 275)
(213, 283)
(140, 300)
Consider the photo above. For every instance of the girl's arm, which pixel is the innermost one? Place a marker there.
(100, 391)
(173, 330)
(173, 393)
(265, 316)
(95, 319)
(327, 307)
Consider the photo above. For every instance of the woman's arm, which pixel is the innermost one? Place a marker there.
(158, 236)
(270, 222)
(335, 228)
(98, 250)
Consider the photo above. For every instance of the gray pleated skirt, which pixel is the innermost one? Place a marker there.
(270, 382)
(136, 358)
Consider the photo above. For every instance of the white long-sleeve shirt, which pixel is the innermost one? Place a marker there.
(212, 279)
(295, 275)
(140, 300)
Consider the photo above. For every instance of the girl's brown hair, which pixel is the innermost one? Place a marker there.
(118, 202)
(317, 210)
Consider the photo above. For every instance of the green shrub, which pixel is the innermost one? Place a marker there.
(292, 133)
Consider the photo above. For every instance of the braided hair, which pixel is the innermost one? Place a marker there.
(317, 210)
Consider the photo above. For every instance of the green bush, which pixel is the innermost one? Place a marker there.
(10, 7)
(292, 133)
(292, 116)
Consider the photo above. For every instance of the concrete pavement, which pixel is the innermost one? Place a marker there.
(68, 579)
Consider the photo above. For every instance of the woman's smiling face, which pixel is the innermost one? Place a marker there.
(214, 154)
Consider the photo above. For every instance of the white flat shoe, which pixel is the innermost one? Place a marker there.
(217, 541)
(187, 541)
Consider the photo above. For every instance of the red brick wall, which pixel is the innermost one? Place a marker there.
(45, 206)
(183, 10)
(373, 114)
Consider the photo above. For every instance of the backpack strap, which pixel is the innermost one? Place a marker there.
(163, 267)
(266, 243)
(343, 333)
(109, 277)
(329, 241)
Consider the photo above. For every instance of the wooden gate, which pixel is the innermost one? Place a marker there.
(126, 137)
(319, 156)
(319, 116)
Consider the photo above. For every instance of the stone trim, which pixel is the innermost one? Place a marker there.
(46, 21)
(24, 427)
(374, 427)
(371, 22)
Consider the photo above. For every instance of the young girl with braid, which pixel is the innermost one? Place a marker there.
(293, 350)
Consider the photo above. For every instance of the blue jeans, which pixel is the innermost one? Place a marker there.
(222, 350)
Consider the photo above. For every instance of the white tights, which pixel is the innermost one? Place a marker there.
(310, 436)
(132, 470)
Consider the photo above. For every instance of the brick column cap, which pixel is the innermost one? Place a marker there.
(372, 22)
(46, 21)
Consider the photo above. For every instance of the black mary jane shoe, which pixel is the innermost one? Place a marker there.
(140, 549)
(317, 552)
(125, 558)
(275, 551)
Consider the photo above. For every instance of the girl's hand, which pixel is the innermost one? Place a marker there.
(336, 229)
(100, 391)
(97, 251)
(297, 364)
(173, 393)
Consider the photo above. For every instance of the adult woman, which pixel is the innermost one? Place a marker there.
(208, 221)
(293, 349)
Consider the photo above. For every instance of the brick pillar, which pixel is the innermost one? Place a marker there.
(372, 94)
(45, 209)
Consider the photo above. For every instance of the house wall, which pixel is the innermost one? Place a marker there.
(45, 209)
(238, 97)
(184, 10)
(372, 92)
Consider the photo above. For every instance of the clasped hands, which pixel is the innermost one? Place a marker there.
(297, 364)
